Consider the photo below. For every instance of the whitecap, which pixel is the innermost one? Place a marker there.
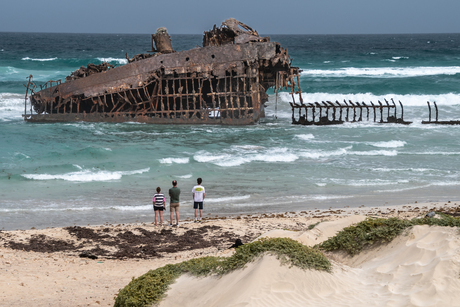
(382, 72)
(132, 208)
(11, 106)
(248, 147)
(403, 189)
(174, 160)
(185, 176)
(86, 175)
(39, 60)
(388, 144)
(305, 137)
(419, 170)
(227, 199)
(446, 183)
(447, 99)
(369, 182)
(319, 154)
(238, 158)
(374, 153)
(120, 61)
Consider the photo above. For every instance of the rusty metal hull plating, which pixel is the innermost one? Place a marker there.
(224, 84)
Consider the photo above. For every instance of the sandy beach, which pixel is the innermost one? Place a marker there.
(86, 266)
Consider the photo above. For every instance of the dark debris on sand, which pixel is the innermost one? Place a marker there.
(116, 243)
(42, 244)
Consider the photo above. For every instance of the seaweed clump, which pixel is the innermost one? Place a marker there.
(151, 287)
(355, 238)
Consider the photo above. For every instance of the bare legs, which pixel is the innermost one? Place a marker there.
(172, 217)
(159, 212)
(196, 214)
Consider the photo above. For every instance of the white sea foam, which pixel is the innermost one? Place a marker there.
(446, 183)
(374, 153)
(388, 144)
(185, 176)
(435, 153)
(236, 157)
(320, 154)
(447, 99)
(132, 208)
(11, 106)
(418, 170)
(42, 209)
(316, 197)
(305, 137)
(39, 60)
(227, 199)
(13, 74)
(382, 72)
(118, 60)
(403, 189)
(439, 183)
(327, 197)
(174, 160)
(248, 147)
(368, 182)
(86, 175)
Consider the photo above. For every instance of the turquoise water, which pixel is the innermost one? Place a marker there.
(92, 173)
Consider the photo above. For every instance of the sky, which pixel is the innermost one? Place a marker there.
(265, 16)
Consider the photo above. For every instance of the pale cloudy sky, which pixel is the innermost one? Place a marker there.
(267, 17)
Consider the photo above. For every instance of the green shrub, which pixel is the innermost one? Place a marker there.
(151, 287)
(310, 227)
(354, 238)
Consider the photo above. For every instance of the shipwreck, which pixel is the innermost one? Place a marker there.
(223, 82)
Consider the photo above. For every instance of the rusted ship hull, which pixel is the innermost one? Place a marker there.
(216, 84)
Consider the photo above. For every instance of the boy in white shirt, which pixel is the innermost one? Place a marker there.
(198, 198)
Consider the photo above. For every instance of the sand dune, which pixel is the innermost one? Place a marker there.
(419, 268)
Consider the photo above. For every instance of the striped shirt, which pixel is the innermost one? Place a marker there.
(158, 200)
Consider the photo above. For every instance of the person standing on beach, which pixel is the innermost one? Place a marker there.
(198, 198)
(159, 204)
(174, 193)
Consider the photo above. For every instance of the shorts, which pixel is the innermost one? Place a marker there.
(198, 204)
(174, 207)
(158, 208)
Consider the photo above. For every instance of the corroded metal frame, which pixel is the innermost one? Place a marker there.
(215, 84)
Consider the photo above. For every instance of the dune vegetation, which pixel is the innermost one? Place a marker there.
(151, 287)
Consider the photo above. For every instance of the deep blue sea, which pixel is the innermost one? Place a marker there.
(91, 173)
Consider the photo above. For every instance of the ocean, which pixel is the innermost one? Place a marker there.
(66, 174)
